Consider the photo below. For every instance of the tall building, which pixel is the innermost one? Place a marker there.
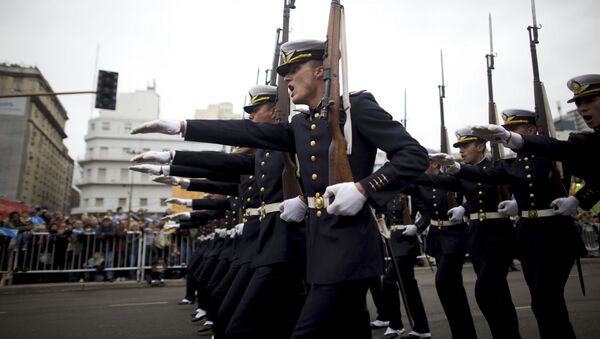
(36, 167)
(568, 123)
(107, 182)
(221, 111)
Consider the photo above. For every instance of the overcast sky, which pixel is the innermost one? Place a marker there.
(203, 52)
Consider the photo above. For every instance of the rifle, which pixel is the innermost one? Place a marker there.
(544, 121)
(291, 186)
(339, 165)
(503, 193)
(451, 196)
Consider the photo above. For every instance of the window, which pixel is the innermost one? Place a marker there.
(101, 174)
(86, 202)
(124, 174)
(106, 125)
(90, 152)
(163, 201)
(88, 174)
(126, 151)
(99, 202)
(103, 152)
(92, 126)
(143, 201)
(127, 127)
(122, 202)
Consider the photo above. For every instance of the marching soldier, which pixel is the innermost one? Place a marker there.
(547, 244)
(343, 246)
(490, 235)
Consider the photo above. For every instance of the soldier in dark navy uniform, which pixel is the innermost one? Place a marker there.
(547, 244)
(405, 248)
(490, 236)
(447, 242)
(344, 249)
(573, 153)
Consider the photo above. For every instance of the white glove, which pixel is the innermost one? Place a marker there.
(158, 126)
(170, 226)
(173, 181)
(178, 216)
(293, 210)
(186, 202)
(348, 199)
(411, 230)
(239, 229)
(498, 134)
(565, 206)
(151, 169)
(508, 208)
(222, 232)
(442, 158)
(456, 214)
(154, 157)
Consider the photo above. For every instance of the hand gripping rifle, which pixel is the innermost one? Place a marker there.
(544, 122)
(503, 193)
(291, 186)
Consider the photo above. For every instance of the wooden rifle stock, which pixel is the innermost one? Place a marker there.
(406, 218)
(291, 186)
(339, 165)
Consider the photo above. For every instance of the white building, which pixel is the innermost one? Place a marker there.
(107, 182)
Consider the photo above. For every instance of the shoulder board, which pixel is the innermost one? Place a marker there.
(354, 93)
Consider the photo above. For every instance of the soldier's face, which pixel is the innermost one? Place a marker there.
(589, 109)
(263, 113)
(471, 153)
(304, 83)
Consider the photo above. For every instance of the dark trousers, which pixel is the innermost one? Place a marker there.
(392, 301)
(493, 296)
(219, 293)
(202, 276)
(335, 311)
(378, 298)
(270, 305)
(232, 299)
(450, 289)
(546, 276)
(218, 274)
(190, 290)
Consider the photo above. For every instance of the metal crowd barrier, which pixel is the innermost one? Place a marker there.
(87, 254)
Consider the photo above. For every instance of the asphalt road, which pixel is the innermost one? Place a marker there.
(131, 310)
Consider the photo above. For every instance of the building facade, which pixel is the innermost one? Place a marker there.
(107, 182)
(36, 167)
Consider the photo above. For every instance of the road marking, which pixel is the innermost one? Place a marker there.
(139, 304)
(522, 307)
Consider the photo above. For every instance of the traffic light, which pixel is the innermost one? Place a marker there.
(106, 92)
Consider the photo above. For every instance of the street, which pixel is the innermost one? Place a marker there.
(132, 310)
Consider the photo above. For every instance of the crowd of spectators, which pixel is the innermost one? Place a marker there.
(41, 240)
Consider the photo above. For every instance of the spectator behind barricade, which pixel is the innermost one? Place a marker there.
(105, 235)
(157, 272)
(96, 263)
(61, 243)
(120, 249)
(149, 246)
(76, 254)
(120, 215)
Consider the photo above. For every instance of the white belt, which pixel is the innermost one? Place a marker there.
(532, 214)
(398, 228)
(440, 223)
(263, 210)
(251, 212)
(317, 202)
(486, 215)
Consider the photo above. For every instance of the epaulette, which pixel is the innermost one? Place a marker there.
(354, 93)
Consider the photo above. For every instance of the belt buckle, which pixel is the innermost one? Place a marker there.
(262, 211)
(482, 216)
(248, 213)
(532, 214)
(440, 223)
(319, 202)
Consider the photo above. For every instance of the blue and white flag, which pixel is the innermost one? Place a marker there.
(8, 232)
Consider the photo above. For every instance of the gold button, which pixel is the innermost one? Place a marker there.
(530, 185)
(526, 158)
(532, 156)
(267, 154)
(480, 193)
(434, 205)
(317, 115)
(531, 195)
(313, 158)
(233, 212)
(318, 213)
(526, 167)
(262, 189)
(313, 126)
(479, 184)
(433, 196)
(249, 188)
(313, 143)
(262, 176)
(248, 200)
(480, 210)
(484, 167)
(528, 176)
(262, 163)
(433, 190)
(314, 176)
(245, 220)
(481, 201)
(532, 204)
(251, 177)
